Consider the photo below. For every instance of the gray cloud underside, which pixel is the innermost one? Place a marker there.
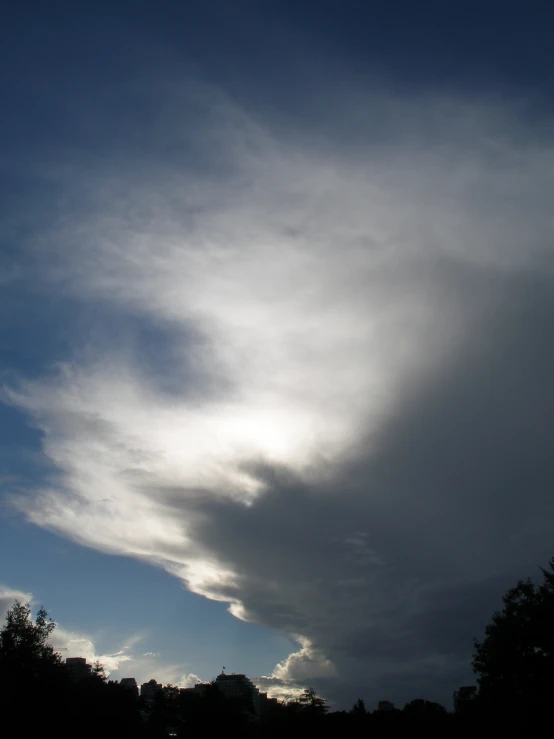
(340, 420)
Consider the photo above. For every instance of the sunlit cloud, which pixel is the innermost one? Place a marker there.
(281, 690)
(307, 295)
(8, 596)
(73, 644)
(189, 680)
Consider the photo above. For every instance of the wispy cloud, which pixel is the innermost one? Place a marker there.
(123, 662)
(75, 644)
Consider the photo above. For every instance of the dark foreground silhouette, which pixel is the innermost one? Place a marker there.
(40, 695)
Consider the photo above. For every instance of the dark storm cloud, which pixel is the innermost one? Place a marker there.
(453, 505)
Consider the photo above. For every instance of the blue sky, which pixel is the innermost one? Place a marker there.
(275, 292)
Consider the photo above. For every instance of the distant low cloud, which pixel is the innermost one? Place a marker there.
(78, 645)
(282, 690)
(189, 681)
(71, 643)
(305, 664)
(8, 596)
(319, 382)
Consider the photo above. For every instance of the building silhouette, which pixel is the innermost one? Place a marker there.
(199, 690)
(77, 668)
(130, 684)
(150, 690)
(239, 686)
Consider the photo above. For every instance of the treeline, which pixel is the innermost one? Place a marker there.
(514, 665)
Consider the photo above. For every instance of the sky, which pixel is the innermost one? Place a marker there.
(276, 318)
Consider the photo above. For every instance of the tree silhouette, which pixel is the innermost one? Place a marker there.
(515, 660)
(98, 671)
(31, 674)
(312, 704)
(38, 695)
(24, 643)
(514, 663)
(359, 709)
(423, 710)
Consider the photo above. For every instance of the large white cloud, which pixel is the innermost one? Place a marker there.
(318, 300)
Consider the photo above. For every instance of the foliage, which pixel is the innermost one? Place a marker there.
(312, 704)
(515, 660)
(38, 695)
(424, 710)
(98, 671)
(359, 709)
(24, 643)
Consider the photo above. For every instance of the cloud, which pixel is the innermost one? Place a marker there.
(189, 680)
(123, 662)
(337, 420)
(74, 644)
(305, 664)
(279, 688)
(8, 596)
